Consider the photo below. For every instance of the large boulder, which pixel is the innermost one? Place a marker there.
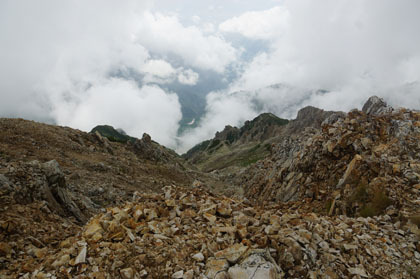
(149, 150)
(43, 182)
(256, 266)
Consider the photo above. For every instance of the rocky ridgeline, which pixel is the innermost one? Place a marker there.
(193, 234)
(237, 146)
(363, 163)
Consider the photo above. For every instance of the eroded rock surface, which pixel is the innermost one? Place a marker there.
(178, 241)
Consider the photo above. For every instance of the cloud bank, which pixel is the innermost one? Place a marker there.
(363, 47)
(82, 63)
(330, 54)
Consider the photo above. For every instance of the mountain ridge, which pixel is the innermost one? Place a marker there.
(335, 186)
(252, 142)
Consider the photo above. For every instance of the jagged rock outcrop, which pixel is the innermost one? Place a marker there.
(376, 106)
(229, 134)
(112, 134)
(32, 181)
(261, 128)
(151, 150)
(360, 164)
(310, 117)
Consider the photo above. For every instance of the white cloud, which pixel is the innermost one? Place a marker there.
(159, 68)
(196, 19)
(352, 48)
(159, 72)
(165, 34)
(123, 104)
(264, 25)
(221, 110)
(51, 48)
(188, 77)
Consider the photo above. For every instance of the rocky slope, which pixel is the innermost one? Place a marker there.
(193, 234)
(74, 175)
(84, 170)
(53, 179)
(361, 163)
(337, 197)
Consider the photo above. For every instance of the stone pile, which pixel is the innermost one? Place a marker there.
(359, 164)
(28, 232)
(194, 234)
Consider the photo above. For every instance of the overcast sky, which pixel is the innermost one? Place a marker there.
(81, 63)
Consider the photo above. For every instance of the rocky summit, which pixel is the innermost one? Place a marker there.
(337, 195)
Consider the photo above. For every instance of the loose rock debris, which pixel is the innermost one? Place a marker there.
(171, 235)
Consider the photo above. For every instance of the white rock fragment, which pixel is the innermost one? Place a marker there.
(358, 271)
(178, 274)
(81, 258)
(199, 257)
(127, 273)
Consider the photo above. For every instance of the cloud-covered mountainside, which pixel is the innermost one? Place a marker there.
(149, 66)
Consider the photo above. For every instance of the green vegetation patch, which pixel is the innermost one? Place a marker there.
(112, 134)
(197, 148)
(374, 200)
(379, 203)
(268, 119)
(214, 143)
(254, 154)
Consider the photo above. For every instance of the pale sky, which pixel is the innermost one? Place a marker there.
(215, 11)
